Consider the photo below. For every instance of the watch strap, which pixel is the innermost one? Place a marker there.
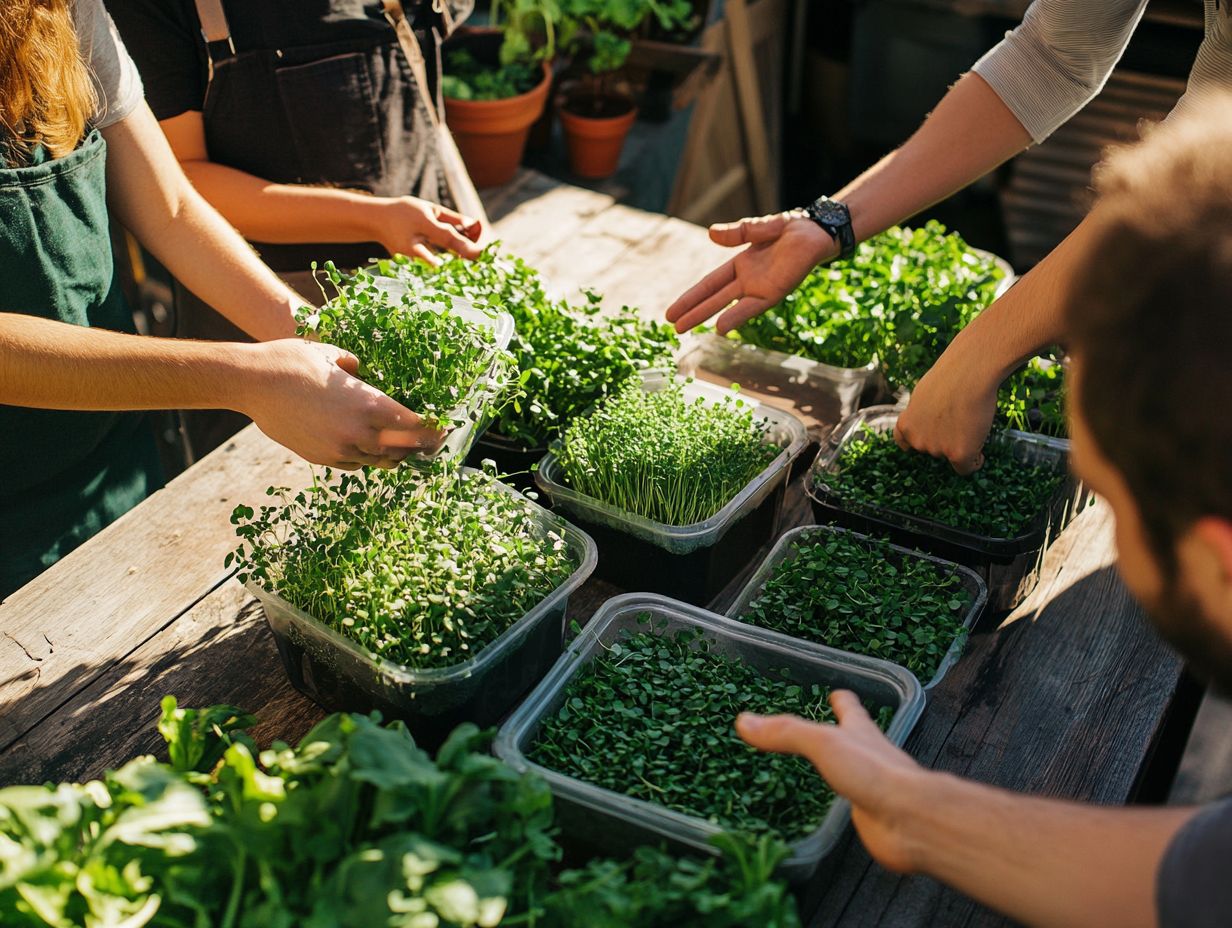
(822, 211)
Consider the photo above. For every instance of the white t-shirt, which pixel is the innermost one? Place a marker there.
(116, 81)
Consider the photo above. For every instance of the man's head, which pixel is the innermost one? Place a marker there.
(1149, 320)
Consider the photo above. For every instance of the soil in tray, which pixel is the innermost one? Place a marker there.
(652, 717)
(863, 596)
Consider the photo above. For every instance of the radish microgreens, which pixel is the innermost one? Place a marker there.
(863, 596)
(664, 455)
(651, 717)
(1000, 500)
(570, 355)
(422, 569)
(412, 347)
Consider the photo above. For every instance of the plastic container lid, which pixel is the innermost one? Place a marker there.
(767, 651)
(388, 672)
(1031, 450)
(784, 550)
(786, 431)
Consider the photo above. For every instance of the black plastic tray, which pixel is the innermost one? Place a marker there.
(515, 463)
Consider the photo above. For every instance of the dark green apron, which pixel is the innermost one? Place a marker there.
(63, 475)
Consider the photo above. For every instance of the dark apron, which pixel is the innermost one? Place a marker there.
(66, 475)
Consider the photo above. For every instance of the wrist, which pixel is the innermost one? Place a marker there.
(821, 246)
(915, 800)
(244, 375)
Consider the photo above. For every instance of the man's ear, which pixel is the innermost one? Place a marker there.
(1215, 534)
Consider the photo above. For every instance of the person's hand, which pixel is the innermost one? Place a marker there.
(859, 763)
(305, 396)
(949, 414)
(415, 227)
(783, 248)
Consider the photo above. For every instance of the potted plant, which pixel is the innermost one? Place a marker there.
(597, 112)
(496, 86)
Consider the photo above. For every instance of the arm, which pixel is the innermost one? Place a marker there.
(1042, 862)
(303, 395)
(292, 213)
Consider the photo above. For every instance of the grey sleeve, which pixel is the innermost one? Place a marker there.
(1049, 67)
(1193, 888)
(116, 81)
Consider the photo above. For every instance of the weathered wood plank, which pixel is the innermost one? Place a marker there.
(541, 224)
(1063, 698)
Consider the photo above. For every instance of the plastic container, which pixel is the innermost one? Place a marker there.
(342, 676)
(689, 562)
(784, 551)
(1009, 566)
(590, 815)
(471, 408)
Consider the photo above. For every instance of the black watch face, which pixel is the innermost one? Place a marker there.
(831, 213)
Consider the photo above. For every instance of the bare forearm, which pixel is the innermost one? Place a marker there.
(151, 196)
(53, 365)
(970, 133)
(285, 213)
(1044, 862)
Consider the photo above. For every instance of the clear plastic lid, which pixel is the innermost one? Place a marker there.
(784, 550)
(786, 431)
(785, 658)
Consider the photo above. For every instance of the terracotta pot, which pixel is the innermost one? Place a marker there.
(491, 134)
(594, 142)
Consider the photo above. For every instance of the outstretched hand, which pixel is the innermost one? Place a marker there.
(783, 248)
(858, 762)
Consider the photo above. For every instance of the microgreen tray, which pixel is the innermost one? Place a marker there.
(471, 408)
(590, 815)
(704, 557)
(341, 675)
(784, 551)
(510, 458)
(1008, 565)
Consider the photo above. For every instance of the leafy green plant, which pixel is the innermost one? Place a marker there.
(413, 348)
(664, 455)
(354, 828)
(569, 355)
(862, 596)
(423, 569)
(901, 298)
(1033, 399)
(1000, 500)
(528, 38)
(650, 717)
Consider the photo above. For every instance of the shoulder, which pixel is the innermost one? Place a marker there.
(116, 81)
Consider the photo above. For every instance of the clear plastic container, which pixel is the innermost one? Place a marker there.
(341, 675)
(702, 558)
(595, 816)
(471, 409)
(784, 551)
(1009, 566)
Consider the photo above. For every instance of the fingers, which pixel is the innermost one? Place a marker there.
(397, 429)
(682, 310)
(751, 231)
(966, 464)
(344, 359)
(962, 459)
(472, 229)
(850, 712)
(783, 734)
(425, 254)
(744, 310)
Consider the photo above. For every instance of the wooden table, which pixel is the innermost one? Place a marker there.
(1070, 696)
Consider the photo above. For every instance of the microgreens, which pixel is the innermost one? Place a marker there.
(423, 569)
(651, 717)
(569, 354)
(412, 347)
(1033, 399)
(664, 455)
(1000, 500)
(862, 596)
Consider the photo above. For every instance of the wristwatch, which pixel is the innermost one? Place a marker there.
(835, 218)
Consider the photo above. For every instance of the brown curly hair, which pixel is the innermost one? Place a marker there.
(46, 96)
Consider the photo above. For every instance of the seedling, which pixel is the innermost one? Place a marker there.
(1000, 500)
(422, 569)
(568, 354)
(863, 596)
(665, 456)
(1033, 398)
(651, 718)
(412, 347)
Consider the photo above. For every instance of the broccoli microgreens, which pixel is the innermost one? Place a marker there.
(651, 717)
(1000, 500)
(424, 569)
(664, 455)
(570, 355)
(862, 596)
(412, 347)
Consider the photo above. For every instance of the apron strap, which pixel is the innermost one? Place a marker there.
(216, 31)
